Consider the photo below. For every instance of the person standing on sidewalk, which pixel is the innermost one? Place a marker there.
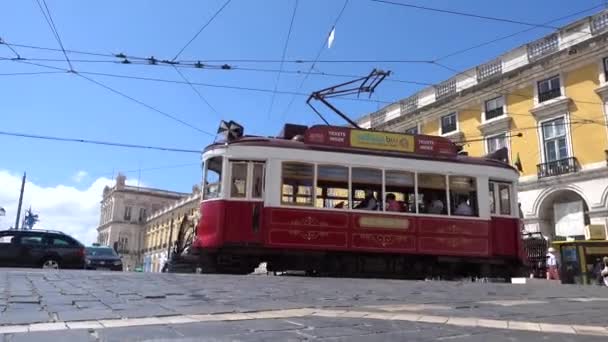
(552, 265)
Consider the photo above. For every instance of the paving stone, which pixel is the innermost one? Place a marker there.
(23, 317)
(154, 333)
(135, 312)
(87, 314)
(63, 336)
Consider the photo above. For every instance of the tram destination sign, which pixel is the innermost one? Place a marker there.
(379, 141)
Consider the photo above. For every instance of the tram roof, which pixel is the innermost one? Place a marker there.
(364, 142)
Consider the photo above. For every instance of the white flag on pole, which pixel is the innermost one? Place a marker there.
(330, 39)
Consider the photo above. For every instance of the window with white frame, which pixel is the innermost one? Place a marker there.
(494, 108)
(449, 123)
(554, 140)
(412, 130)
(496, 142)
(127, 215)
(548, 89)
(605, 62)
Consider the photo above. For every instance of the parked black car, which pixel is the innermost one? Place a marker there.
(102, 258)
(47, 249)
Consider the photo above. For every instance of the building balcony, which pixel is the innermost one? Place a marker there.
(557, 167)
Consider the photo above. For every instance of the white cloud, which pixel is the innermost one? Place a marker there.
(60, 207)
(79, 176)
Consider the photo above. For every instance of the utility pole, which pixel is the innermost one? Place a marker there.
(20, 202)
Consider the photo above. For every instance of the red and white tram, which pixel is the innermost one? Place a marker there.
(339, 200)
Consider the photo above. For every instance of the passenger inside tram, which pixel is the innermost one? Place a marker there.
(369, 202)
(463, 196)
(400, 186)
(464, 208)
(436, 205)
(432, 193)
(392, 204)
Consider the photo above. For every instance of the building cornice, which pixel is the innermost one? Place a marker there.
(603, 92)
(496, 125)
(564, 59)
(583, 175)
(558, 105)
(456, 136)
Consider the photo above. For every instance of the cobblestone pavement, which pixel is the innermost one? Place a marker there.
(106, 306)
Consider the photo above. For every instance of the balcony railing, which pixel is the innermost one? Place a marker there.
(445, 89)
(489, 70)
(543, 47)
(550, 94)
(557, 167)
(410, 104)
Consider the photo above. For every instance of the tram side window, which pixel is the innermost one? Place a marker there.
(213, 178)
(463, 196)
(332, 187)
(432, 194)
(366, 188)
(492, 198)
(400, 191)
(258, 181)
(504, 192)
(297, 184)
(239, 180)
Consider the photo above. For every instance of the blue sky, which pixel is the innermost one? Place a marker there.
(66, 105)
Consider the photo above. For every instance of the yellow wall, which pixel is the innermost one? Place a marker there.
(430, 127)
(588, 140)
(519, 103)
(468, 120)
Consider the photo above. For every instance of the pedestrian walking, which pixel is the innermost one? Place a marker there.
(605, 271)
(552, 265)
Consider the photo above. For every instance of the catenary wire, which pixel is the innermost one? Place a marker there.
(201, 29)
(97, 142)
(479, 45)
(205, 101)
(276, 83)
(471, 15)
(170, 116)
(312, 66)
(53, 28)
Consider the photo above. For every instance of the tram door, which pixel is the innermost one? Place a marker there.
(243, 220)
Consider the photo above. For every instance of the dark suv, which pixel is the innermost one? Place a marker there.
(102, 258)
(40, 248)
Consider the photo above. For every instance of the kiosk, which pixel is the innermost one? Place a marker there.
(578, 258)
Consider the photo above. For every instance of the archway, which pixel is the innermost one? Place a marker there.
(562, 214)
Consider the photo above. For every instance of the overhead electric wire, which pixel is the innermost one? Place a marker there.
(201, 30)
(193, 83)
(97, 142)
(312, 66)
(224, 67)
(225, 60)
(458, 52)
(197, 92)
(276, 83)
(170, 116)
(53, 28)
(10, 47)
(471, 15)
(32, 73)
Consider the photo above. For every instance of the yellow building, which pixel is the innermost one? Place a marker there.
(546, 103)
(162, 227)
